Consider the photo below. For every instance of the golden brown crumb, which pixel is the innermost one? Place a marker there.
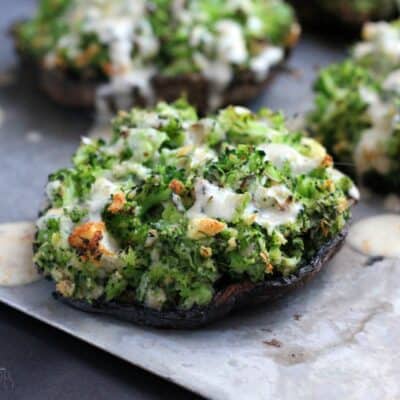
(86, 239)
(65, 287)
(177, 186)
(269, 269)
(268, 266)
(202, 227)
(329, 185)
(205, 252)
(327, 161)
(118, 202)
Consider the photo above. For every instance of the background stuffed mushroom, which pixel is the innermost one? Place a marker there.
(214, 51)
(176, 207)
(356, 112)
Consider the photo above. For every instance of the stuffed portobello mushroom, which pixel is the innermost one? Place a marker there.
(122, 52)
(350, 13)
(356, 113)
(178, 220)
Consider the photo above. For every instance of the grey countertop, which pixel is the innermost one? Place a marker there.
(37, 137)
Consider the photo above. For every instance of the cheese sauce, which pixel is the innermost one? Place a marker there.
(278, 154)
(392, 82)
(16, 267)
(377, 236)
(262, 64)
(101, 192)
(268, 207)
(272, 207)
(379, 37)
(215, 202)
(371, 152)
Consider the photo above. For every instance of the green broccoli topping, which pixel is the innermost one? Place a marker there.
(174, 206)
(171, 37)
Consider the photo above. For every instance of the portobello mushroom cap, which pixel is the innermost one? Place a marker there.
(204, 224)
(226, 300)
(69, 90)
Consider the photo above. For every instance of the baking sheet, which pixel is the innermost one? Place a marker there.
(341, 332)
(337, 338)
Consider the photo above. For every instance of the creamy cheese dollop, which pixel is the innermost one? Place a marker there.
(215, 202)
(100, 194)
(268, 207)
(272, 207)
(371, 151)
(16, 266)
(377, 236)
(380, 38)
(278, 154)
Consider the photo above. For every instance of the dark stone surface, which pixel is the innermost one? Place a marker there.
(36, 361)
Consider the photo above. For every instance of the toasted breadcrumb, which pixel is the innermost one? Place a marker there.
(118, 202)
(202, 227)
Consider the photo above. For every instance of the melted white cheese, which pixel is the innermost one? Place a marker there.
(129, 167)
(100, 195)
(354, 193)
(377, 236)
(379, 38)
(200, 35)
(278, 154)
(16, 266)
(121, 88)
(268, 58)
(231, 44)
(178, 202)
(392, 82)
(254, 24)
(121, 25)
(65, 222)
(51, 188)
(336, 175)
(195, 134)
(111, 246)
(266, 197)
(370, 152)
(272, 207)
(272, 217)
(214, 202)
(201, 155)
